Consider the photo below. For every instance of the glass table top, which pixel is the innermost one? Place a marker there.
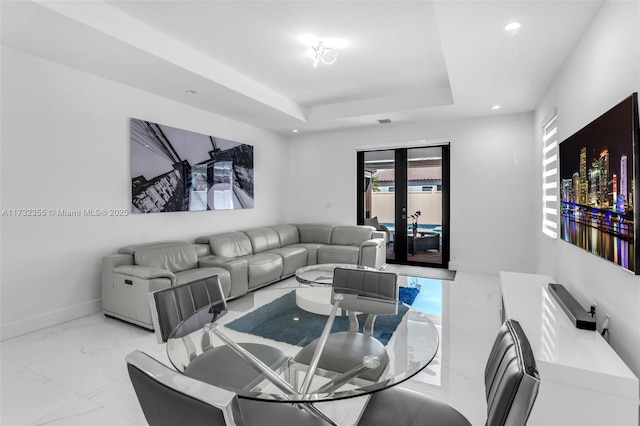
(323, 273)
(283, 321)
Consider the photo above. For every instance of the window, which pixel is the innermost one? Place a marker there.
(550, 178)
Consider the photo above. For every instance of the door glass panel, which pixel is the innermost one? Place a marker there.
(424, 205)
(379, 199)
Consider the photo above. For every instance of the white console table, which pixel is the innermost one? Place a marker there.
(582, 380)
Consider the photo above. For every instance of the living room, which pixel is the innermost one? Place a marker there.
(66, 145)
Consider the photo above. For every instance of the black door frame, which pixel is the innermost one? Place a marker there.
(401, 198)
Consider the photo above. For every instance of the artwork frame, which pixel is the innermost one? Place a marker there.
(599, 167)
(176, 170)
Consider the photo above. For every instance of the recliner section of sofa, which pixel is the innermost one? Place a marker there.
(351, 244)
(245, 261)
(136, 270)
(249, 269)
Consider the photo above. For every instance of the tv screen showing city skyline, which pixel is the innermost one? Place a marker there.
(597, 186)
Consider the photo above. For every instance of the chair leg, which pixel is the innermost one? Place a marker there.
(353, 322)
(368, 325)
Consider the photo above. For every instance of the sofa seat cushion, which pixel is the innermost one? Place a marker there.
(264, 268)
(293, 258)
(312, 251)
(202, 273)
(338, 254)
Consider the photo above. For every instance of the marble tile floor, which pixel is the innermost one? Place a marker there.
(75, 374)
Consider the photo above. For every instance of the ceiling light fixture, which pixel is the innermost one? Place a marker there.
(512, 26)
(322, 50)
(191, 92)
(322, 53)
(496, 107)
(295, 130)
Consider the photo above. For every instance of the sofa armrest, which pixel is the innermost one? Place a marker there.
(145, 272)
(382, 233)
(372, 253)
(378, 234)
(373, 242)
(109, 262)
(125, 288)
(238, 269)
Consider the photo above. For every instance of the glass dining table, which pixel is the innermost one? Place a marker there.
(282, 320)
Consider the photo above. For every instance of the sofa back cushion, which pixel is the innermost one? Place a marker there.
(131, 248)
(288, 234)
(263, 239)
(230, 244)
(315, 233)
(351, 235)
(175, 257)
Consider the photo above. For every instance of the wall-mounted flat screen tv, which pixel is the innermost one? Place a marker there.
(598, 170)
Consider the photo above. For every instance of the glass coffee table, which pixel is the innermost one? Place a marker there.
(322, 274)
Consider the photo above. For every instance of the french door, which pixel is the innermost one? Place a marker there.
(405, 192)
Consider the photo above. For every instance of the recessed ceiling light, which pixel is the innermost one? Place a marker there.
(295, 130)
(512, 26)
(496, 107)
(191, 92)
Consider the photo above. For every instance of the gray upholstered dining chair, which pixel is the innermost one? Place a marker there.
(220, 366)
(511, 385)
(346, 350)
(169, 398)
(172, 305)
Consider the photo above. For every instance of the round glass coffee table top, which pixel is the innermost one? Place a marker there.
(323, 273)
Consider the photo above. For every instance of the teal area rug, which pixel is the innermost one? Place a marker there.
(281, 319)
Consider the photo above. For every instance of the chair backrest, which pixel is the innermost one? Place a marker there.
(367, 281)
(172, 305)
(367, 291)
(170, 398)
(511, 377)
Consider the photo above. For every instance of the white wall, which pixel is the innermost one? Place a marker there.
(65, 145)
(491, 184)
(602, 71)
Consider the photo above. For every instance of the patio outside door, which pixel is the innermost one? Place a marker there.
(406, 192)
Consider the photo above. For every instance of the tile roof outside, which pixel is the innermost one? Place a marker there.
(414, 173)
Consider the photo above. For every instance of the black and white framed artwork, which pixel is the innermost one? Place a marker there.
(178, 170)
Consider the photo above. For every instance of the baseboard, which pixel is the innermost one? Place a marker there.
(49, 319)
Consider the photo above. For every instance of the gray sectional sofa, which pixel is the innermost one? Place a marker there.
(244, 261)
